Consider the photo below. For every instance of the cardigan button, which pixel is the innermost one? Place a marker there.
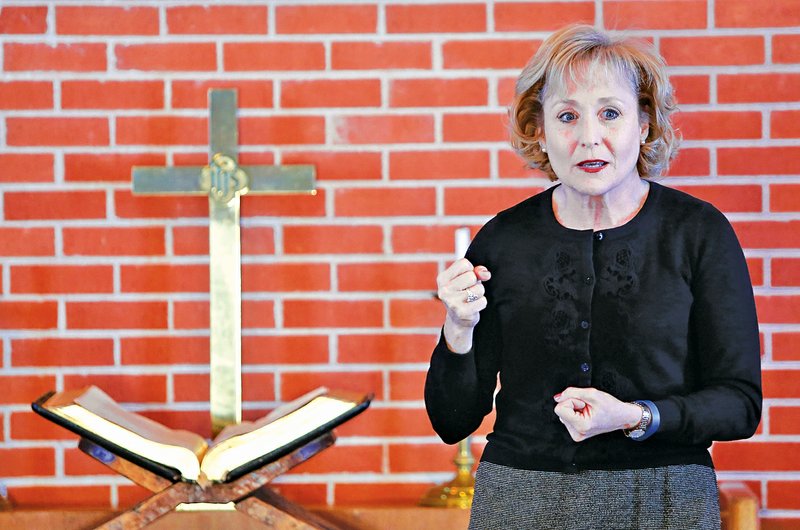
(588, 280)
(585, 367)
(584, 324)
(599, 236)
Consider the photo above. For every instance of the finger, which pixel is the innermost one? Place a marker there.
(462, 281)
(584, 394)
(455, 269)
(482, 273)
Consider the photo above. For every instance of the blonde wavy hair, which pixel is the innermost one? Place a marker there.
(564, 57)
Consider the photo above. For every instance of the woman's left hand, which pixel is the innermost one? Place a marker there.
(587, 412)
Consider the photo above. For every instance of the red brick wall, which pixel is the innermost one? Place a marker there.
(401, 106)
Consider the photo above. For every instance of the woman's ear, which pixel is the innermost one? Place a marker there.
(644, 130)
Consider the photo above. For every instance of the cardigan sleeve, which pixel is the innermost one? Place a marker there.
(725, 403)
(459, 388)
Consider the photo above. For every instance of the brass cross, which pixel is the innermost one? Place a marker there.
(224, 182)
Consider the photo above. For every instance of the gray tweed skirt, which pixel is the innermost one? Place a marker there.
(683, 497)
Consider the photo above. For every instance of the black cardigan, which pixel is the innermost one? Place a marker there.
(660, 308)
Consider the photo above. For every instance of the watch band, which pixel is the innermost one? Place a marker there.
(640, 429)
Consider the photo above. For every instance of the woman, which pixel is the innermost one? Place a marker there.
(618, 313)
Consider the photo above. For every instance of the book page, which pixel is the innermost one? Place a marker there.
(237, 451)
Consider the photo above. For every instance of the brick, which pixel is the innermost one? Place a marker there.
(195, 387)
(408, 386)
(387, 276)
(294, 384)
(749, 88)
(778, 309)
(436, 165)
(784, 420)
(420, 458)
(782, 495)
(258, 56)
(285, 205)
(783, 124)
(116, 315)
(60, 58)
(345, 459)
(488, 54)
(423, 239)
(719, 125)
(541, 16)
(30, 205)
(785, 346)
(786, 49)
(217, 20)
(402, 422)
(127, 205)
(304, 493)
(57, 131)
(23, 167)
(162, 130)
(381, 55)
(768, 234)
(68, 495)
(27, 241)
(387, 129)
(193, 240)
(756, 268)
(691, 162)
(461, 201)
(691, 89)
(249, 94)
(511, 165)
(756, 456)
(27, 425)
(97, 20)
(322, 19)
(785, 272)
(728, 198)
(62, 352)
(388, 494)
(435, 18)
(194, 315)
(428, 313)
(23, 388)
(134, 388)
(372, 202)
(474, 127)
(167, 350)
(781, 383)
(284, 349)
(324, 93)
(438, 92)
(332, 314)
(648, 14)
(65, 279)
(167, 278)
(286, 277)
(76, 464)
(106, 167)
(23, 20)
(129, 495)
(116, 241)
(26, 95)
(28, 315)
(112, 94)
(386, 348)
(771, 160)
(28, 461)
(333, 239)
(282, 130)
(744, 14)
(708, 51)
(167, 57)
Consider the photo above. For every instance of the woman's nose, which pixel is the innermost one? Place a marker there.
(590, 133)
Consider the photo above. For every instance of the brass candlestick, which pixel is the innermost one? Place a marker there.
(458, 492)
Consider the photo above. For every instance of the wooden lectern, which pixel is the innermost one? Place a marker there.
(248, 493)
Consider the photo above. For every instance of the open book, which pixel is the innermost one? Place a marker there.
(183, 455)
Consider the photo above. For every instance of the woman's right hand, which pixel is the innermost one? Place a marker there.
(461, 290)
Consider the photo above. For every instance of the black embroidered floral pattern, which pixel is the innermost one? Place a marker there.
(561, 286)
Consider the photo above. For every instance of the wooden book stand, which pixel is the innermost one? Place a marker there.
(248, 493)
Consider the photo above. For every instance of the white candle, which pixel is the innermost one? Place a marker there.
(462, 241)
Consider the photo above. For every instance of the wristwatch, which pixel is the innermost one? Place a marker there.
(640, 428)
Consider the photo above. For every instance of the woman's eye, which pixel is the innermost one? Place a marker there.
(567, 117)
(610, 114)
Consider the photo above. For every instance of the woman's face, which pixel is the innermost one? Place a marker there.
(592, 132)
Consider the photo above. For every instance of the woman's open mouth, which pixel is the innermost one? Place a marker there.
(592, 166)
